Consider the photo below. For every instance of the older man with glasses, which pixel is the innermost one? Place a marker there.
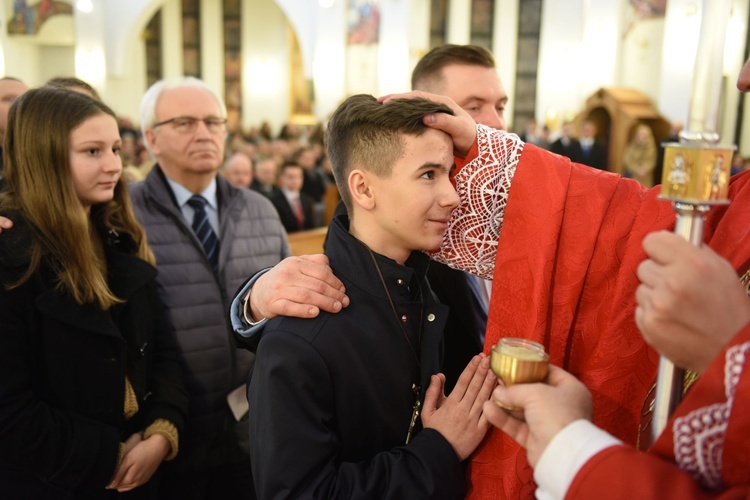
(208, 236)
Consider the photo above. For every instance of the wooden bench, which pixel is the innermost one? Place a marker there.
(308, 242)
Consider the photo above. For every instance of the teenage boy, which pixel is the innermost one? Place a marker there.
(335, 399)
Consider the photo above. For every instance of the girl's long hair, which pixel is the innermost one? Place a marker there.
(40, 189)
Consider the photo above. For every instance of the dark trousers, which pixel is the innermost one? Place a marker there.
(230, 481)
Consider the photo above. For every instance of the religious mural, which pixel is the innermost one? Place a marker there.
(27, 19)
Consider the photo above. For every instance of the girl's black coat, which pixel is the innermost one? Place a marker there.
(63, 368)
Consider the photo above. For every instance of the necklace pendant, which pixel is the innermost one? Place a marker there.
(415, 412)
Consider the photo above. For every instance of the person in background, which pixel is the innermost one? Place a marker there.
(250, 150)
(640, 155)
(265, 131)
(567, 145)
(145, 161)
(315, 178)
(238, 170)
(593, 151)
(92, 398)
(530, 131)
(75, 84)
(738, 164)
(10, 89)
(264, 180)
(296, 209)
(544, 138)
(132, 174)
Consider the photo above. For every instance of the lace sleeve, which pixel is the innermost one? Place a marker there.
(470, 243)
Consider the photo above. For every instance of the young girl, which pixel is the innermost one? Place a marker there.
(91, 391)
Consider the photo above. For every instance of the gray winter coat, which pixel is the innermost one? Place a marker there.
(197, 300)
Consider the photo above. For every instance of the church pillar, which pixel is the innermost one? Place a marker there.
(459, 22)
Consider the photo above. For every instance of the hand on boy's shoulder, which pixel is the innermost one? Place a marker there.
(299, 287)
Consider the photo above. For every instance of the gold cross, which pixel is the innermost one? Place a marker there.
(415, 412)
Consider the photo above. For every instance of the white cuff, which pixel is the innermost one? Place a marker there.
(566, 454)
(237, 314)
(248, 315)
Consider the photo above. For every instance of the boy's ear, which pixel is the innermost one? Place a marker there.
(360, 189)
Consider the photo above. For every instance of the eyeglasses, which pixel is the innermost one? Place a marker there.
(189, 124)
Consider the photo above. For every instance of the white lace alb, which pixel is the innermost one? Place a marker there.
(470, 243)
(700, 435)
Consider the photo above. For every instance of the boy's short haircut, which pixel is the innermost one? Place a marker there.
(363, 133)
(428, 74)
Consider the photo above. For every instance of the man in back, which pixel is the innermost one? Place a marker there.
(593, 151)
(296, 208)
(567, 145)
(466, 74)
(264, 181)
(238, 170)
(10, 89)
(207, 236)
(353, 382)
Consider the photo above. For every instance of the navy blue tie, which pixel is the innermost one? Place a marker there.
(203, 230)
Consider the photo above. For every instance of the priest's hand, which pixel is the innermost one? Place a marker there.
(458, 417)
(461, 127)
(690, 301)
(546, 410)
(298, 287)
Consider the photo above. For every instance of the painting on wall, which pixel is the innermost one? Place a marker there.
(27, 19)
(363, 22)
(302, 90)
(645, 9)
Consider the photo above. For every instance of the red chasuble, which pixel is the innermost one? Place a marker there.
(704, 451)
(565, 275)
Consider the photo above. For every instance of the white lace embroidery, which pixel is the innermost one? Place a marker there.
(699, 436)
(470, 243)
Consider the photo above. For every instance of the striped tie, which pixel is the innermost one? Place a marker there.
(203, 230)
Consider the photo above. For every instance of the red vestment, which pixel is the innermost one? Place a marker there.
(712, 427)
(565, 276)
